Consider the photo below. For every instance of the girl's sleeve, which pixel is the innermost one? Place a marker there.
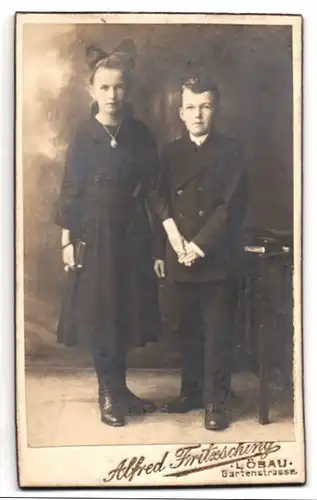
(69, 203)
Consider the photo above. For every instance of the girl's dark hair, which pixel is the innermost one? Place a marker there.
(121, 58)
(114, 61)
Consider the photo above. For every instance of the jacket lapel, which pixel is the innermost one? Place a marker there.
(196, 160)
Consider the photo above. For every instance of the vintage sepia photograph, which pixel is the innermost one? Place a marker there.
(158, 249)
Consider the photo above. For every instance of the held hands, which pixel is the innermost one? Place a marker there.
(190, 256)
(187, 259)
(187, 253)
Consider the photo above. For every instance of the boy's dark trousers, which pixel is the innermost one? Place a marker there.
(206, 330)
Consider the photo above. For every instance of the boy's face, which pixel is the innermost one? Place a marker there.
(197, 112)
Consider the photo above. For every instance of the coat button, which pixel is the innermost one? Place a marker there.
(200, 213)
(179, 192)
(200, 188)
(181, 215)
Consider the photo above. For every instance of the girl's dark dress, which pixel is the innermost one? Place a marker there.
(112, 301)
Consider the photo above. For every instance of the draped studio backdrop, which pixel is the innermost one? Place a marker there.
(252, 66)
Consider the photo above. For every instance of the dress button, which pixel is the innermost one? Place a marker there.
(200, 213)
(179, 192)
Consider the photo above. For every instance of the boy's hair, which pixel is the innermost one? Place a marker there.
(199, 84)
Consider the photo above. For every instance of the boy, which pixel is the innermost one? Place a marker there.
(201, 203)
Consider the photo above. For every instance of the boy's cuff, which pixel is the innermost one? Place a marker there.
(170, 227)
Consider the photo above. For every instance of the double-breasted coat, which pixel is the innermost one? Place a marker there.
(112, 300)
(204, 189)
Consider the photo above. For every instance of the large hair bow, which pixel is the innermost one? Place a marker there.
(126, 51)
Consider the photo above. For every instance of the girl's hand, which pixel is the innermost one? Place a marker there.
(68, 256)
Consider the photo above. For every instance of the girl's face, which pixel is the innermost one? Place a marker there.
(108, 89)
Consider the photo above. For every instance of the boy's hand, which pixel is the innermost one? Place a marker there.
(192, 253)
(159, 268)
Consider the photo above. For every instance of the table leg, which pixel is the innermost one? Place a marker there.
(247, 315)
(263, 354)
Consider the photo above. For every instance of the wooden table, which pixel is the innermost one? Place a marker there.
(266, 288)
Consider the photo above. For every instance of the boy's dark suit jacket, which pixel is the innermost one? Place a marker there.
(204, 189)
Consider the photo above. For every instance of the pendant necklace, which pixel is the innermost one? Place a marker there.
(113, 142)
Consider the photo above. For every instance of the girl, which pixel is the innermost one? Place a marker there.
(110, 166)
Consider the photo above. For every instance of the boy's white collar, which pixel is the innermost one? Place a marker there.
(198, 140)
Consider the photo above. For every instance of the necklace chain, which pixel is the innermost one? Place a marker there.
(113, 141)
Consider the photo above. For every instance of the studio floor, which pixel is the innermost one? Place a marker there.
(61, 406)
